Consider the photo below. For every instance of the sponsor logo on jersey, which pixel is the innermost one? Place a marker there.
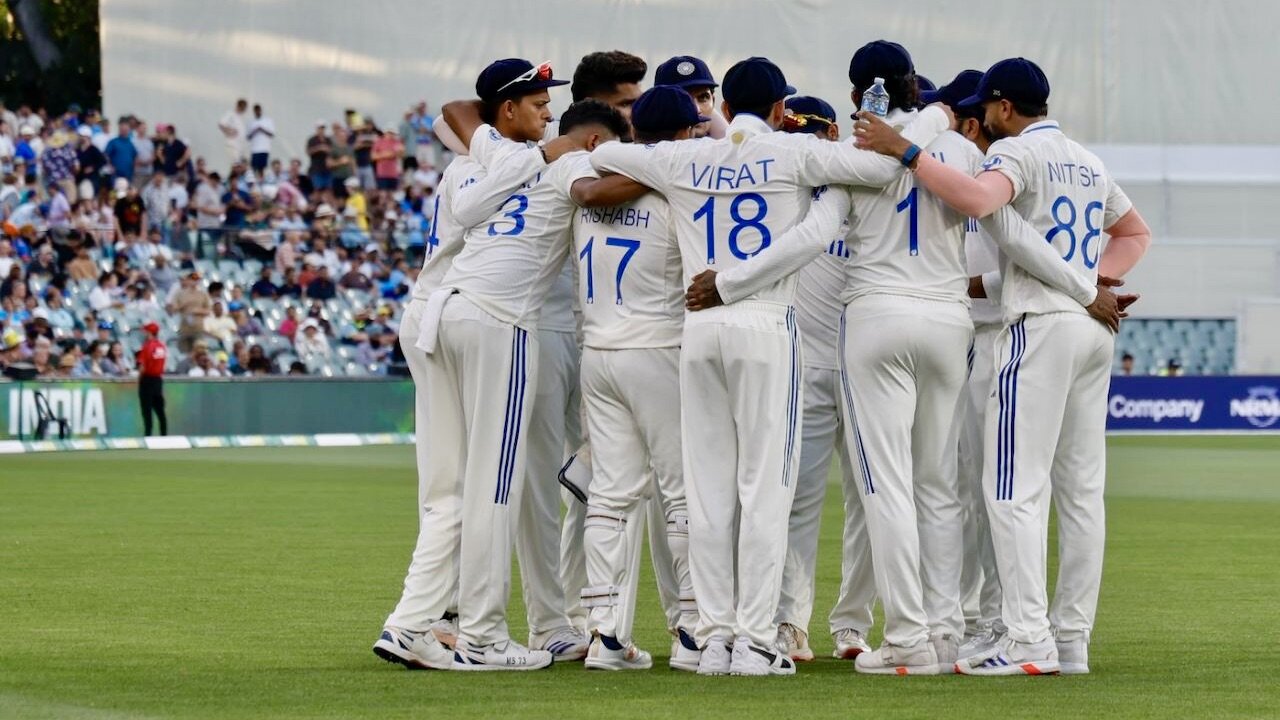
(1261, 408)
(991, 162)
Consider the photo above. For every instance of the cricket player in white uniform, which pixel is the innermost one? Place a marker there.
(740, 365)
(631, 293)
(1046, 417)
(819, 285)
(421, 631)
(482, 366)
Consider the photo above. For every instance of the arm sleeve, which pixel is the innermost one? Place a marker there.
(993, 285)
(507, 165)
(638, 162)
(1029, 251)
(827, 163)
(793, 250)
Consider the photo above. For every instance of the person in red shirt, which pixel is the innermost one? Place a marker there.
(151, 362)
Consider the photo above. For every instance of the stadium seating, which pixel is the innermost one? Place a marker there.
(1203, 347)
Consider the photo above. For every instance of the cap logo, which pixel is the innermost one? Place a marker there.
(995, 93)
(685, 68)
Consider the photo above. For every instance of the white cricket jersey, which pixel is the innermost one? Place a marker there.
(819, 286)
(630, 283)
(509, 262)
(906, 240)
(1066, 194)
(732, 197)
(445, 238)
(982, 257)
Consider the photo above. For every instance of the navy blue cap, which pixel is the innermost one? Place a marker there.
(514, 77)
(684, 71)
(879, 58)
(956, 91)
(925, 84)
(755, 82)
(664, 108)
(1015, 79)
(807, 108)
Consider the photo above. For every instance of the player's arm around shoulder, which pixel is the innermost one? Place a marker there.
(646, 164)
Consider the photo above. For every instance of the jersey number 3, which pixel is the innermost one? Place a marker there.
(740, 223)
(516, 215)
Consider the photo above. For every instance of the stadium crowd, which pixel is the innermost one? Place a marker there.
(251, 263)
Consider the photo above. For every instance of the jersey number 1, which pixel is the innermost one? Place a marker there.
(911, 205)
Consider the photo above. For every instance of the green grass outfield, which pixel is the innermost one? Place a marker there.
(251, 583)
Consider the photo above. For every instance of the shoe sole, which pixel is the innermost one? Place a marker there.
(411, 663)
(899, 670)
(468, 667)
(683, 666)
(1027, 668)
(597, 664)
(1072, 668)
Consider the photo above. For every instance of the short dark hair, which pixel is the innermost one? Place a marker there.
(594, 112)
(1026, 109)
(761, 112)
(599, 73)
(653, 136)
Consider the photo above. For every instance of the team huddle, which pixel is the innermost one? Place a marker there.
(661, 313)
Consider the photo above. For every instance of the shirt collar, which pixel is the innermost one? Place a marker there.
(899, 115)
(748, 125)
(1042, 125)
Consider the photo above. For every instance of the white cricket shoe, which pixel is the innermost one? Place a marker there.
(715, 657)
(794, 642)
(414, 650)
(981, 641)
(567, 644)
(919, 659)
(849, 644)
(947, 648)
(1073, 655)
(629, 657)
(685, 654)
(504, 655)
(1010, 657)
(446, 630)
(751, 659)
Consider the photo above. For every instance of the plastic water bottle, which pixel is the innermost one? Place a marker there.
(875, 99)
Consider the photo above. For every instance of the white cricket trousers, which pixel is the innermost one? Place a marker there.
(979, 582)
(741, 395)
(820, 437)
(632, 401)
(1046, 432)
(905, 362)
(553, 425)
(431, 584)
(481, 379)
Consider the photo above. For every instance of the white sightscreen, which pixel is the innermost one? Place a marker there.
(1124, 71)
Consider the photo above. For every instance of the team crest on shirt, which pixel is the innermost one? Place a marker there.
(685, 68)
(991, 162)
(493, 134)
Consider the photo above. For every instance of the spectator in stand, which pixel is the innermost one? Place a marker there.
(322, 287)
(261, 131)
(259, 364)
(422, 123)
(297, 368)
(121, 153)
(42, 357)
(24, 154)
(157, 204)
(59, 213)
(145, 164)
(220, 325)
(82, 267)
(388, 152)
(288, 252)
(106, 294)
(129, 210)
(312, 347)
(174, 155)
(289, 326)
(354, 279)
(318, 148)
(208, 206)
(59, 162)
(91, 164)
(351, 235)
(409, 136)
(192, 304)
(120, 361)
(68, 365)
(44, 264)
(236, 200)
(163, 276)
(60, 317)
(152, 358)
(96, 363)
(341, 161)
(203, 366)
(1126, 365)
(264, 288)
(362, 147)
(233, 127)
(246, 324)
(7, 259)
(289, 285)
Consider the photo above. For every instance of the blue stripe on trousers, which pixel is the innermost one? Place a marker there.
(1005, 436)
(869, 487)
(793, 400)
(511, 425)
